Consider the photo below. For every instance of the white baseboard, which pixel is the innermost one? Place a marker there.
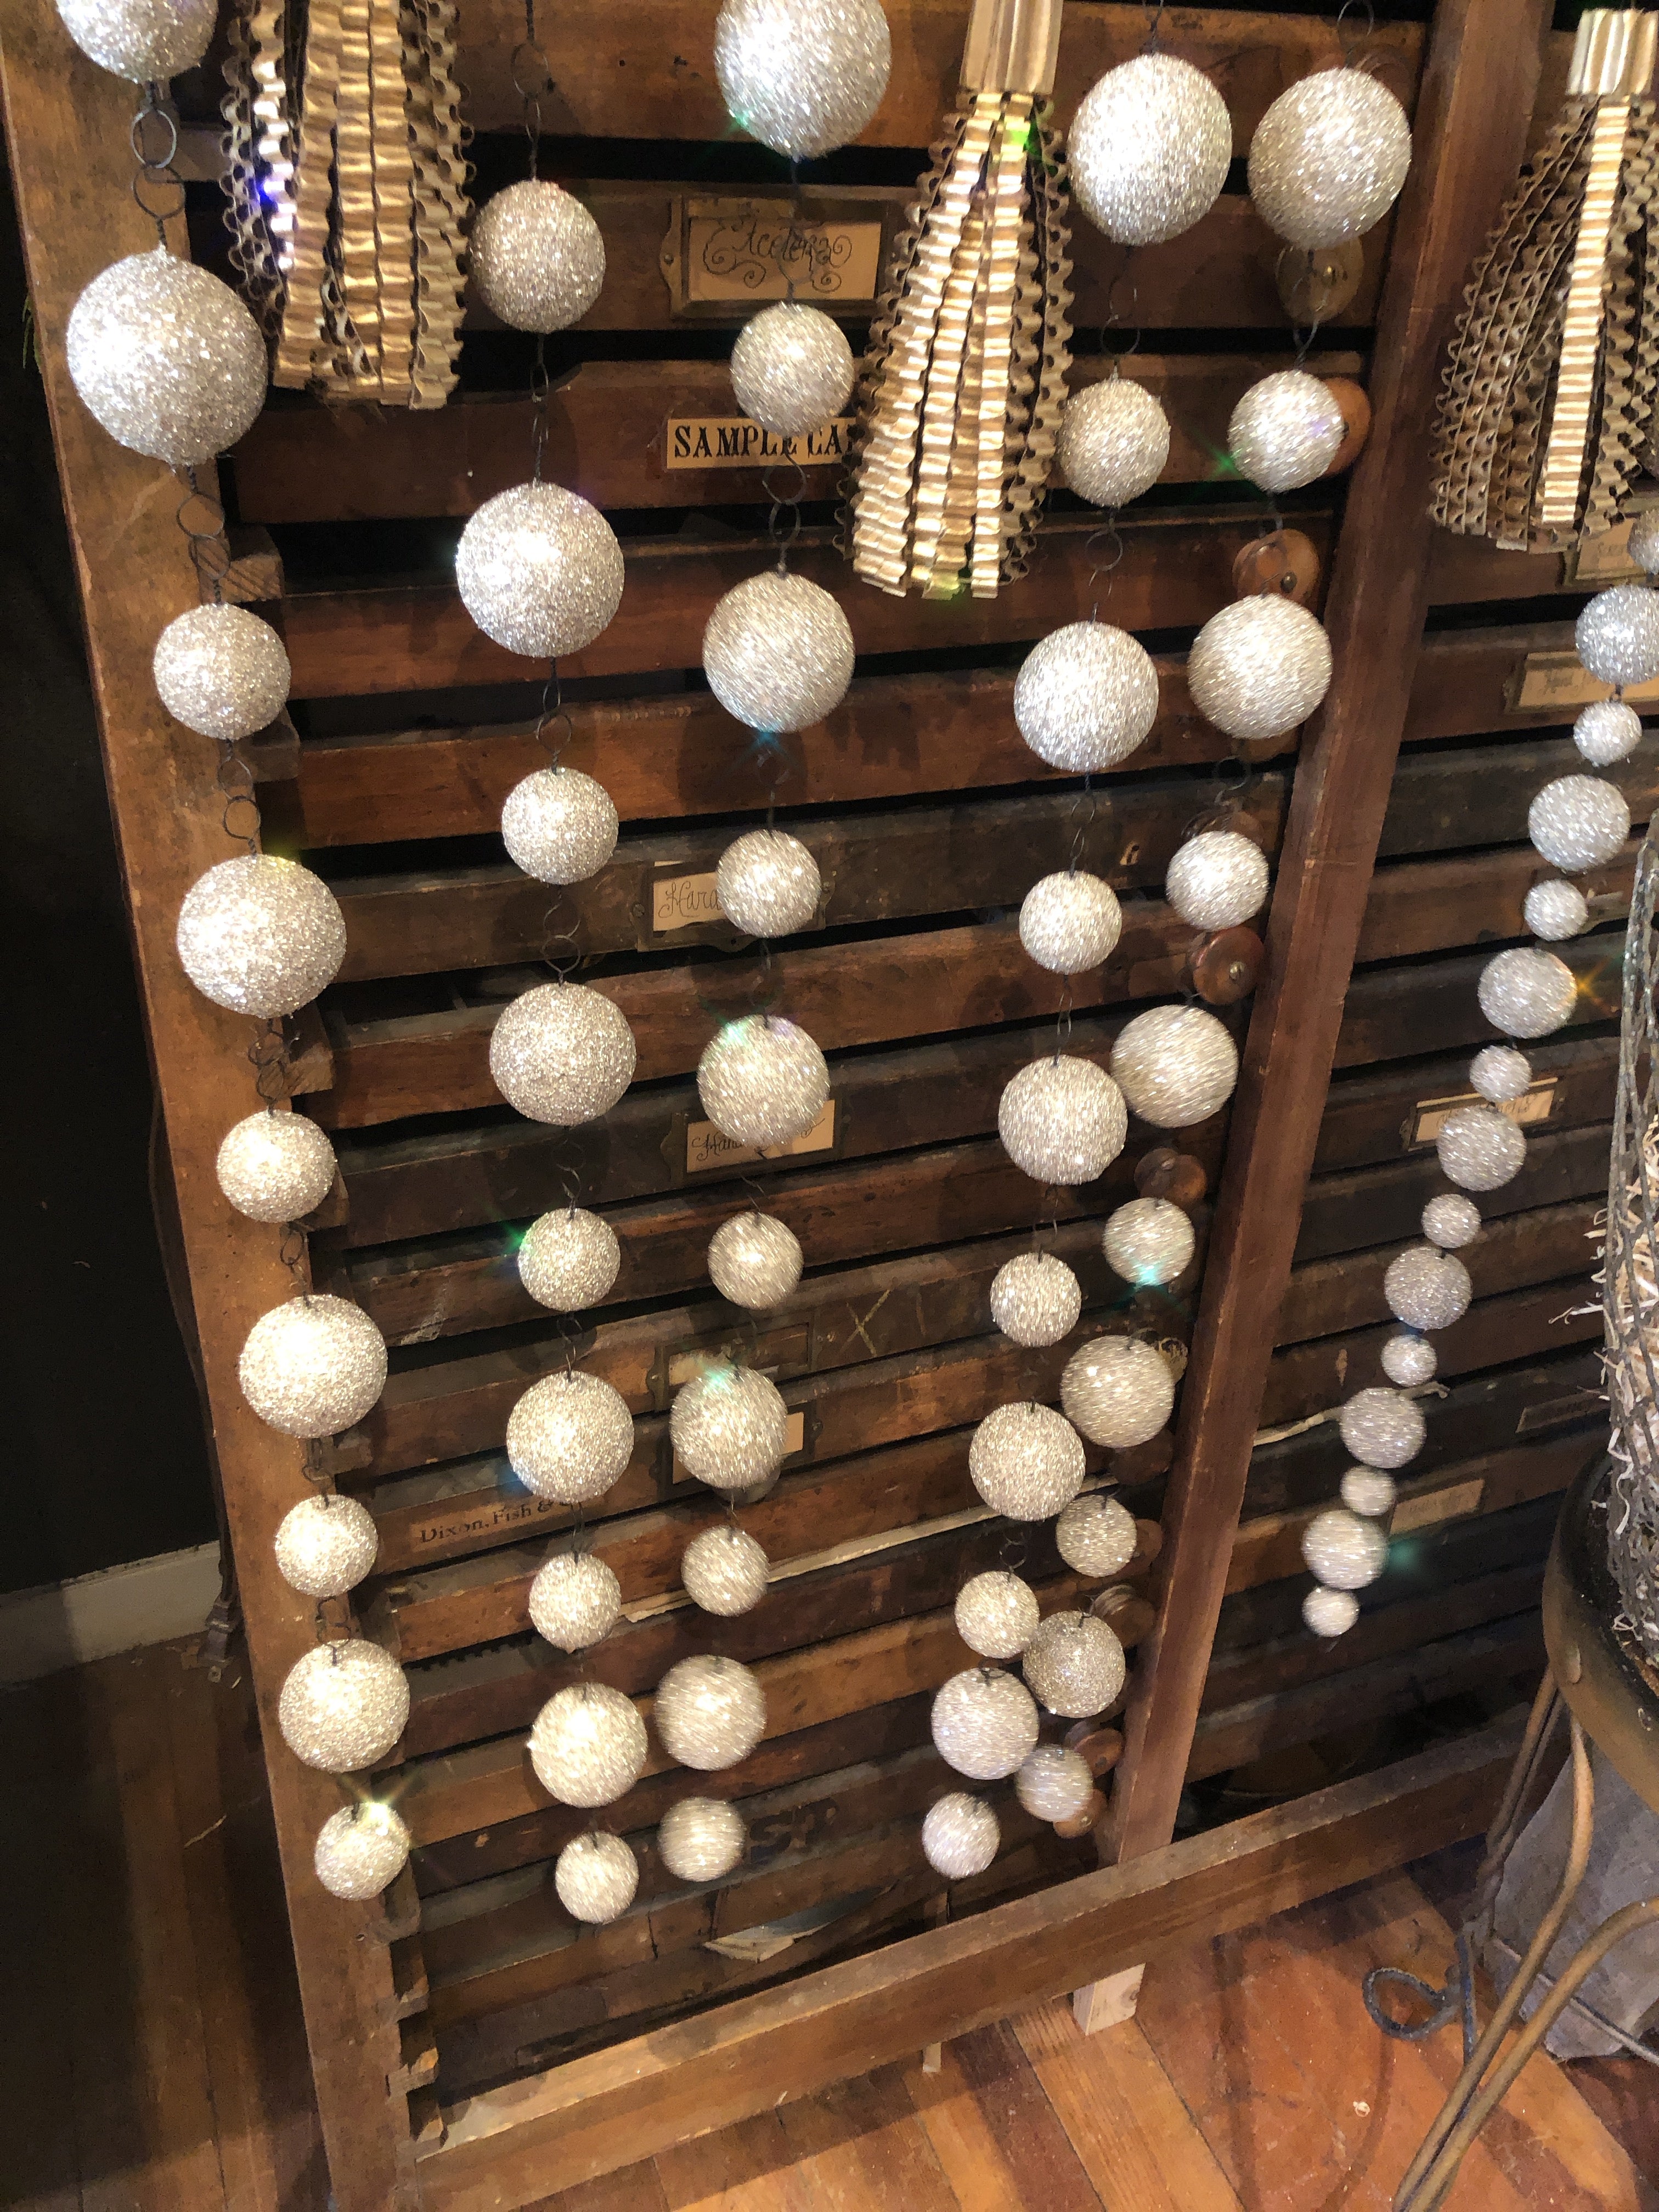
(95, 1616)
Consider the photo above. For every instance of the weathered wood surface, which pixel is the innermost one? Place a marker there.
(1372, 1117)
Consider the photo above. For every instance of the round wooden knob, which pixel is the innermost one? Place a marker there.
(1227, 966)
(1284, 561)
(1081, 1823)
(1356, 410)
(1129, 1616)
(1315, 284)
(1099, 1748)
(1165, 1173)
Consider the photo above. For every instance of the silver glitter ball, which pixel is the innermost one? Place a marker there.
(220, 671)
(996, 1614)
(562, 1053)
(778, 652)
(260, 936)
(539, 570)
(1097, 1535)
(1054, 1784)
(143, 40)
(1285, 430)
(1526, 991)
(1329, 158)
(569, 1437)
(763, 1080)
(1366, 1492)
(1555, 911)
(1643, 543)
(1149, 148)
(1500, 1072)
(574, 1600)
(312, 1366)
(559, 825)
(536, 258)
(791, 369)
(1062, 1120)
(1259, 667)
(802, 75)
(360, 1850)
(710, 1712)
(1451, 1220)
(1114, 441)
(569, 1258)
(1345, 1550)
(754, 1259)
(1408, 1360)
(1330, 1611)
(166, 358)
(1069, 921)
(768, 884)
(1218, 879)
(1118, 1391)
(343, 1705)
(1383, 1428)
(1579, 822)
(729, 1428)
(1074, 1665)
(325, 1545)
(1478, 1148)
(275, 1166)
(1617, 635)
(1175, 1066)
(588, 1745)
(596, 1877)
(1026, 1461)
(724, 1571)
(1425, 1288)
(701, 1839)
(1147, 1242)
(1036, 1298)
(1085, 697)
(1606, 731)
(984, 1723)
(960, 1836)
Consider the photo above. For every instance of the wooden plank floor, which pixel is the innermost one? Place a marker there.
(154, 2058)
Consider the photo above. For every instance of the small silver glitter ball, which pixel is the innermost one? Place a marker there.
(1644, 540)
(1026, 1461)
(260, 936)
(1617, 635)
(984, 1723)
(1175, 1066)
(1149, 148)
(1114, 441)
(539, 570)
(1085, 697)
(588, 1745)
(778, 652)
(343, 1705)
(1499, 1072)
(1345, 1550)
(768, 884)
(1149, 1241)
(1285, 430)
(1366, 1492)
(1054, 1782)
(763, 1080)
(325, 1546)
(574, 1600)
(1070, 921)
(802, 75)
(1329, 158)
(569, 1258)
(312, 1366)
(1579, 822)
(729, 1428)
(1478, 1148)
(562, 1053)
(275, 1167)
(1526, 991)
(1062, 1120)
(141, 40)
(1074, 1665)
(996, 1614)
(791, 369)
(569, 1437)
(1330, 1611)
(724, 1571)
(960, 1836)
(360, 1850)
(1118, 1391)
(1606, 731)
(1259, 667)
(1383, 1428)
(1097, 1535)
(701, 1839)
(1451, 1220)
(1408, 1360)
(1426, 1289)
(1218, 879)
(754, 1259)
(1036, 1298)
(220, 671)
(559, 825)
(597, 1877)
(536, 258)
(1555, 911)
(166, 358)
(710, 1712)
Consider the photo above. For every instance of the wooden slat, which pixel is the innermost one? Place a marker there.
(1372, 1117)
(1344, 1211)
(1432, 1005)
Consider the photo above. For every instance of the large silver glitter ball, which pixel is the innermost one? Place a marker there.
(312, 1366)
(802, 75)
(1054, 1782)
(360, 1850)
(1606, 731)
(729, 1427)
(1366, 1491)
(1097, 1535)
(960, 1836)
(588, 1745)
(569, 1258)
(1329, 158)
(1345, 1551)
(220, 671)
(778, 652)
(1555, 910)
(1114, 441)
(1617, 635)
(1074, 1665)
(574, 1600)
(1026, 1461)
(1069, 921)
(596, 1876)
(1579, 822)
(996, 1614)
(1643, 543)
(768, 884)
(1062, 1120)
(166, 358)
(1408, 1360)
(1329, 1612)
(1259, 667)
(343, 1705)
(1218, 879)
(260, 936)
(754, 1259)
(1501, 1072)
(1149, 148)
(275, 1167)
(1175, 1065)
(1478, 1148)
(1383, 1428)
(701, 1839)
(1118, 1391)
(984, 1723)
(325, 1546)
(710, 1712)
(763, 1080)
(1285, 430)
(537, 256)
(569, 1437)
(1526, 991)
(539, 570)
(143, 40)
(1451, 1220)
(1085, 697)
(1036, 1298)
(562, 1053)
(1147, 1242)
(559, 825)
(791, 369)
(1425, 1288)
(724, 1571)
